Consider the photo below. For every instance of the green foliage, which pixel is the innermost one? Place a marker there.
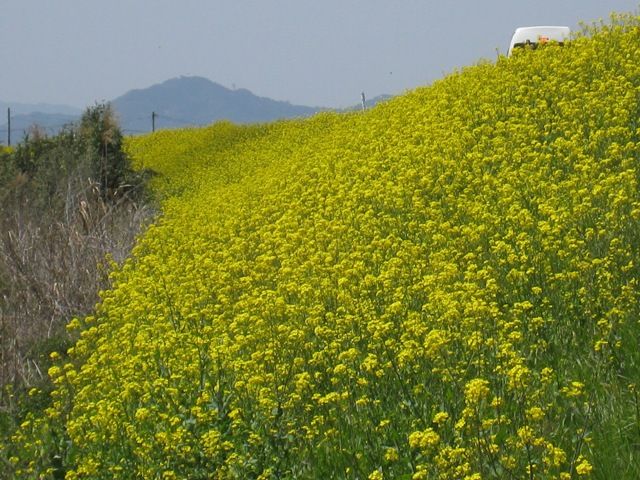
(102, 142)
(6, 164)
(44, 166)
(91, 151)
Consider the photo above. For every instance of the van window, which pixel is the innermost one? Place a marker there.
(532, 45)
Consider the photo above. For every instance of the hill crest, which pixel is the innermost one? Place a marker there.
(184, 101)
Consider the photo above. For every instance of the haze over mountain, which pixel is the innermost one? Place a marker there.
(49, 118)
(177, 102)
(198, 101)
(49, 123)
(26, 108)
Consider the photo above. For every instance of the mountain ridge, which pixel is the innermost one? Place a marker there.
(183, 101)
(174, 103)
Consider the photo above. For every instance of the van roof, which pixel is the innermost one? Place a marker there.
(544, 27)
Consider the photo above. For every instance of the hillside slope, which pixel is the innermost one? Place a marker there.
(443, 287)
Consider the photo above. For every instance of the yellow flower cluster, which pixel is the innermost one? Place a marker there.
(444, 287)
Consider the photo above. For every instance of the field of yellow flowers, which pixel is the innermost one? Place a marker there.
(444, 287)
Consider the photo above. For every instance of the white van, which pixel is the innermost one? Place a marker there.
(534, 36)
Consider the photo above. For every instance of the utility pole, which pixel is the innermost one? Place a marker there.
(153, 121)
(9, 127)
(363, 102)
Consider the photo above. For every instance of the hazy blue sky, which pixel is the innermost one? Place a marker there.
(309, 52)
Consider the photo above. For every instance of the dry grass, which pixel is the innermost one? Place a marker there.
(52, 266)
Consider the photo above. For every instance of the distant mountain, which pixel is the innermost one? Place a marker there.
(50, 118)
(50, 123)
(27, 108)
(178, 102)
(198, 101)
